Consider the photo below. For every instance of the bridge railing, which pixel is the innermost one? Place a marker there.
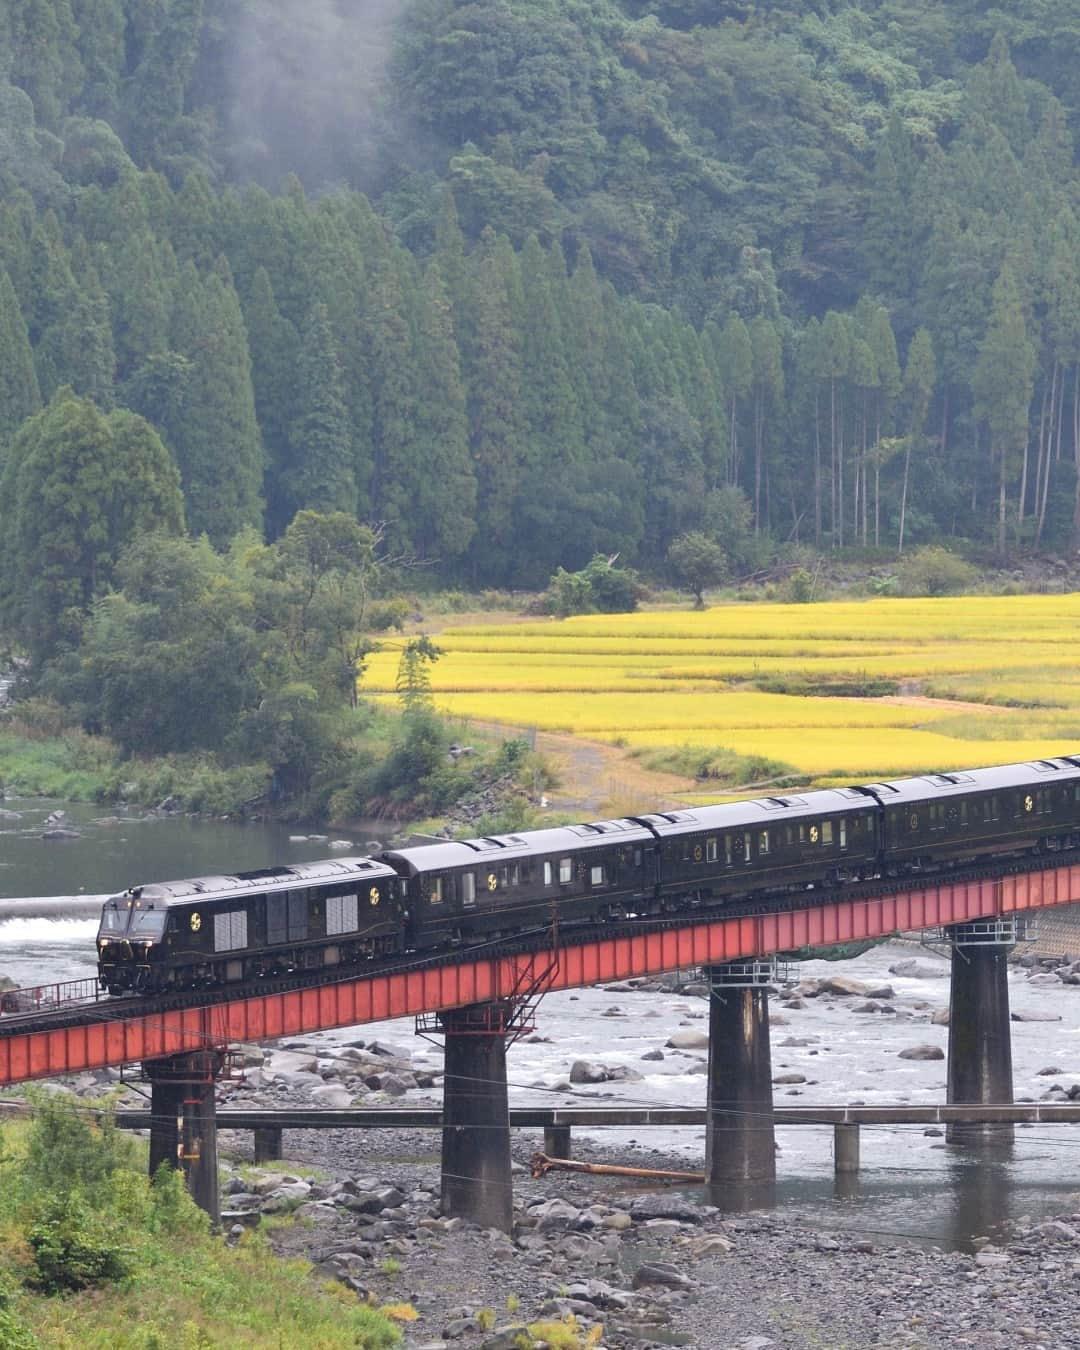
(44, 997)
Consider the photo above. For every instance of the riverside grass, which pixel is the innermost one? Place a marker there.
(686, 681)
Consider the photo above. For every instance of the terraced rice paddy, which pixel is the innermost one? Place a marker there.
(667, 680)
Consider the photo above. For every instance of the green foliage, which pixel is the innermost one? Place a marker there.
(933, 570)
(698, 561)
(73, 1248)
(77, 487)
(599, 588)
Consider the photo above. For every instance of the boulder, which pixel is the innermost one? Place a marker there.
(910, 969)
(509, 1337)
(665, 1205)
(841, 984)
(688, 1040)
(783, 1078)
(1034, 1016)
(941, 1017)
(653, 1055)
(341, 845)
(60, 834)
(333, 1096)
(923, 1052)
(881, 991)
(585, 1071)
(555, 1215)
(660, 1273)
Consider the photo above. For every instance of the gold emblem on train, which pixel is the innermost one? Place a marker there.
(1029, 803)
(373, 895)
(813, 834)
(492, 881)
(196, 922)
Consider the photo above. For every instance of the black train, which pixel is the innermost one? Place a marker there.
(219, 930)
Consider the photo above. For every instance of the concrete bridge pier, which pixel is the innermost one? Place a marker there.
(476, 1178)
(740, 1144)
(980, 1041)
(183, 1129)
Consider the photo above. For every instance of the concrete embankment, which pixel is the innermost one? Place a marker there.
(52, 907)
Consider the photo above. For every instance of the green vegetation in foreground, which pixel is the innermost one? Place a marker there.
(95, 1257)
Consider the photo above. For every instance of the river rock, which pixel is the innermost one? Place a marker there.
(298, 838)
(659, 1272)
(1050, 1071)
(585, 1071)
(1034, 1016)
(881, 991)
(841, 984)
(555, 1215)
(910, 969)
(333, 1096)
(60, 834)
(286, 1197)
(688, 1040)
(388, 1051)
(654, 1055)
(665, 1205)
(923, 1052)
(341, 845)
(508, 1337)
(713, 1245)
(940, 1018)
(622, 1073)
(10, 815)
(782, 1078)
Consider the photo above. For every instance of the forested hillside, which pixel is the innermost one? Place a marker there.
(522, 280)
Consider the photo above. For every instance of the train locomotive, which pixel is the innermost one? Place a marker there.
(216, 931)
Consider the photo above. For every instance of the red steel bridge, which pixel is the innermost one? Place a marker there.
(63, 1038)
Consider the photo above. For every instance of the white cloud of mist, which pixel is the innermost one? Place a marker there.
(306, 86)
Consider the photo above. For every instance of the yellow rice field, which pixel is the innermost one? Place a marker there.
(672, 679)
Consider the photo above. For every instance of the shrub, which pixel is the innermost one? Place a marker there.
(74, 1248)
(933, 570)
(599, 588)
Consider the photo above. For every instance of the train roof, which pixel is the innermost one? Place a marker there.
(758, 811)
(939, 786)
(324, 872)
(532, 843)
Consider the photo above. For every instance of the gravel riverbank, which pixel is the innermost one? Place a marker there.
(652, 1267)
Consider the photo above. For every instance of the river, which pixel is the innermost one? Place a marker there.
(911, 1184)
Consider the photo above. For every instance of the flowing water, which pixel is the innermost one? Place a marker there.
(911, 1185)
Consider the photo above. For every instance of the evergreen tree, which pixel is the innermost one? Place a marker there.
(320, 475)
(101, 50)
(1003, 384)
(77, 488)
(215, 437)
(920, 377)
(19, 396)
(155, 103)
(76, 350)
(445, 507)
(768, 390)
(395, 459)
(44, 60)
(491, 352)
(274, 345)
(735, 362)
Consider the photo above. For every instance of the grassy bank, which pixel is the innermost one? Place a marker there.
(95, 1257)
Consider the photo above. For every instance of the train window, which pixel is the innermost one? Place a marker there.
(826, 831)
(342, 914)
(298, 902)
(230, 931)
(995, 808)
(515, 875)
(277, 920)
(727, 849)
(468, 888)
(963, 813)
(712, 850)
(596, 875)
(746, 846)
(637, 857)
(147, 923)
(843, 831)
(547, 874)
(566, 871)
(763, 842)
(435, 895)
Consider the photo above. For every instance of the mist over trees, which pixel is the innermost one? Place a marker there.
(526, 281)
